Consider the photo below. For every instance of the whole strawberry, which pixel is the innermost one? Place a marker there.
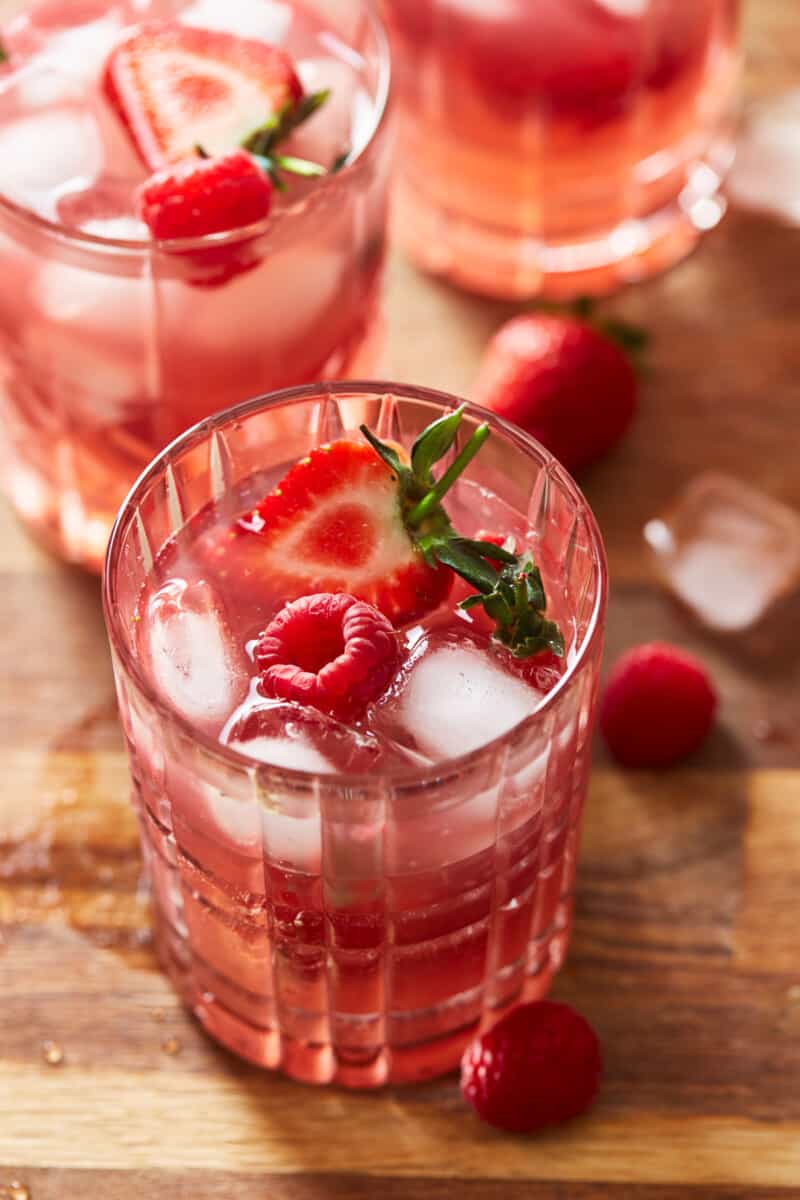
(539, 1066)
(564, 381)
(658, 706)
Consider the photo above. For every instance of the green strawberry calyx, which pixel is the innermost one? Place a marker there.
(263, 142)
(508, 585)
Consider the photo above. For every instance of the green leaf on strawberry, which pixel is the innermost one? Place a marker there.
(281, 124)
(262, 142)
(509, 586)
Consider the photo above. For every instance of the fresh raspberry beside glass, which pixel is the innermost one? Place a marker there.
(356, 635)
(192, 209)
(560, 146)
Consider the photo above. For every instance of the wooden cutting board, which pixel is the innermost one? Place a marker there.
(686, 954)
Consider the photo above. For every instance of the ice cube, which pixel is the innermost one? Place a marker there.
(302, 739)
(86, 333)
(106, 209)
(264, 19)
(38, 84)
(456, 698)
(498, 10)
(625, 8)
(727, 551)
(280, 304)
(96, 386)
(93, 302)
(191, 654)
(330, 131)
(42, 152)
(122, 228)
(83, 49)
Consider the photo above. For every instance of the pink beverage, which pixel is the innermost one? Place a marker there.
(112, 342)
(348, 899)
(560, 146)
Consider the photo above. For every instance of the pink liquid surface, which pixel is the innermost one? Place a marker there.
(559, 145)
(109, 347)
(352, 932)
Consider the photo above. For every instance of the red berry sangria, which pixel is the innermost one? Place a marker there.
(560, 146)
(356, 634)
(192, 208)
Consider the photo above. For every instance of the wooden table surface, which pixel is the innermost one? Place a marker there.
(686, 953)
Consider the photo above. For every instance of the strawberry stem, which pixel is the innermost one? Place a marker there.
(509, 586)
(4, 55)
(440, 489)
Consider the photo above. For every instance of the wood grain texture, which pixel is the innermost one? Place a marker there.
(686, 953)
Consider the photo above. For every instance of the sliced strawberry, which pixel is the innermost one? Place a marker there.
(368, 521)
(334, 524)
(178, 87)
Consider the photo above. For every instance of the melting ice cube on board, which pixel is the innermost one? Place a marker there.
(191, 654)
(727, 551)
(456, 697)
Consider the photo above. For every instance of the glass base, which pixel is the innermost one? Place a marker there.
(509, 265)
(68, 494)
(307, 1061)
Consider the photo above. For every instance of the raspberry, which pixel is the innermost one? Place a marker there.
(331, 652)
(658, 706)
(542, 671)
(540, 1065)
(200, 196)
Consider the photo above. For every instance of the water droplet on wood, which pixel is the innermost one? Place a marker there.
(52, 1053)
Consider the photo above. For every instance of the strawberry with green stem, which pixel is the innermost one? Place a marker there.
(207, 111)
(355, 517)
(513, 596)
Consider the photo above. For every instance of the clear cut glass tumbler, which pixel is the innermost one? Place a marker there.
(359, 929)
(560, 146)
(111, 348)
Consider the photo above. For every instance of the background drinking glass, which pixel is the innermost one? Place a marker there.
(358, 928)
(560, 146)
(109, 348)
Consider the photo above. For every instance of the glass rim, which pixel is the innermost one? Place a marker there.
(91, 241)
(412, 775)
